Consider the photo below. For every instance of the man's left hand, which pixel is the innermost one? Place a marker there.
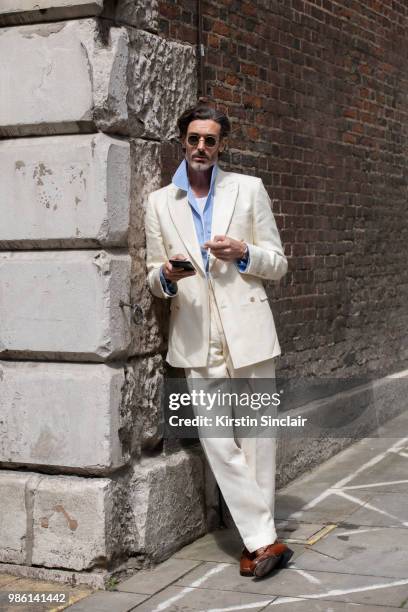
(226, 248)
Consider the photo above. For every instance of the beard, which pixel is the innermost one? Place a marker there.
(206, 164)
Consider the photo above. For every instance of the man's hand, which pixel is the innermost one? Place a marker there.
(175, 274)
(226, 248)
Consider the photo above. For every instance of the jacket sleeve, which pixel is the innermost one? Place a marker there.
(266, 257)
(156, 254)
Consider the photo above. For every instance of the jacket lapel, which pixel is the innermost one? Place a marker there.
(225, 195)
(182, 217)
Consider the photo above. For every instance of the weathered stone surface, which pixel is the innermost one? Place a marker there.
(64, 305)
(95, 580)
(149, 336)
(64, 191)
(61, 521)
(13, 543)
(156, 98)
(26, 11)
(85, 523)
(145, 374)
(73, 522)
(63, 77)
(167, 501)
(145, 177)
(143, 14)
(62, 415)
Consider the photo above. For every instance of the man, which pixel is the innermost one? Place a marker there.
(221, 325)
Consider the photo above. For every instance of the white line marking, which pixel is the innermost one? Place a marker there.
(347, 479)
(374, 484)
(306, 575)
(215, 570)
(356, 531)
(337, 592)
(255, 604)
(400, 452)
(369, 506)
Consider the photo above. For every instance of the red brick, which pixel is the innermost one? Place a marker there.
(222, 93)
(170, 11)
(219, 27)
(232, 79)
(213, 41)
(249, 69)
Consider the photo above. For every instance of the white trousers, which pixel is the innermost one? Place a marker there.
(244, 468)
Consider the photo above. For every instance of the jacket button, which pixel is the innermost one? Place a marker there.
(170, 246)
(252, 299)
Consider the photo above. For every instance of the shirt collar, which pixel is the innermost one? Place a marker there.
(180, 177)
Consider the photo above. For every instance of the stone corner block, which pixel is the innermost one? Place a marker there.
(153, 64)
(65, 77)
(166, 496)
(13, 516)
(30, 11)
(64, 191)
(64, 305)
(63, 521)
(66, 531)
(35, 430)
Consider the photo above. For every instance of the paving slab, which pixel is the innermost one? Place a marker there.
(108, 601)
(345, 463)
(178, 599)
(382, 552)
(294, 531)
(383, 509)
(330, 510)
(293, 604)
(153, 580)
(221, 546)
(7, 579)
(388, 476)
(294, 582)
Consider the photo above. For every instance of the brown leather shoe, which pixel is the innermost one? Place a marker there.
(264, 560)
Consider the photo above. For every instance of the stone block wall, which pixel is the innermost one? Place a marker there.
(87, 110)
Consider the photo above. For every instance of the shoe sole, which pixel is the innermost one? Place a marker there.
(264, 567)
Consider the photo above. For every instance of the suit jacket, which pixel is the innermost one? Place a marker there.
(242, 210)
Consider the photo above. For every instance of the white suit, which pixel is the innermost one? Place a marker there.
(242, 211)
(221, 326)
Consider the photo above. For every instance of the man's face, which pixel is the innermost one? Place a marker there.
(203, 154)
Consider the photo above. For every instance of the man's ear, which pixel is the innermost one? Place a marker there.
(223, 145)
(183, 143)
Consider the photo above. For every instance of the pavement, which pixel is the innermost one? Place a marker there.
(347, 521)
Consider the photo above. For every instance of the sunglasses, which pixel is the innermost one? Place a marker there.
(209, 141)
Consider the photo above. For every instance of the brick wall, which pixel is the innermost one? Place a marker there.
(317, 96)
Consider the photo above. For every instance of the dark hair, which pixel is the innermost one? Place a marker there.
(203, 111)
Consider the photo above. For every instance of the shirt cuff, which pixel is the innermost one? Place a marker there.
(168, 287)
(244, 261)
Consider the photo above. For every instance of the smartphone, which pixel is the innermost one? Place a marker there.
(184, 264)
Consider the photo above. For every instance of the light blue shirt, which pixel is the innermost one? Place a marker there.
(202, 220)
